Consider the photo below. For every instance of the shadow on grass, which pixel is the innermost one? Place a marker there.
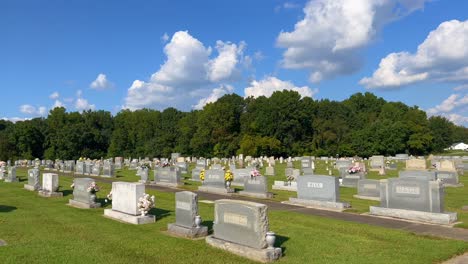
(280, 241)
(103, 203)
(160, 213)
(209, 224)
(67, 192)
(6, 208)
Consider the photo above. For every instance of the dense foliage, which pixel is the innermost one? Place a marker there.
(283, 124)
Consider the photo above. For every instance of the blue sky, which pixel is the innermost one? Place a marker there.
(132, 54)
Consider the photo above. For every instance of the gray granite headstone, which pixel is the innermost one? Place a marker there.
(369, 188)
(196, 174)
(351, 180)
(214, 178)
(255, 185)
(168, 175)
(240, 175)
(319, 188)
(79, 167)
(308, 171)
(11, 177)
(241, 222)
(449, 178)
(186, 208)
(81, 196)
(412, 194)
(270, 171)
(33, 180)
(413, 174)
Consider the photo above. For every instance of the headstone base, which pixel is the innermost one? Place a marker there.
(107, 176)
(50, 194)
(335, 206)
(216, 190)
(142, 181)
(167, 184)
(261, 255)
(285, 188)
(256, 195)
(186, 232)
(132, 219)
(30, 187)
(426, 217)
(366, 197)
(79, 204)
(453, 185)
(11, 180)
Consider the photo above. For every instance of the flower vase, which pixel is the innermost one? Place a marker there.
(143, 213)
(92, 198)
(198, 221)
(228, 184)
(270, 239)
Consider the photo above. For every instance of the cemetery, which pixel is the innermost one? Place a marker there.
(233, 223)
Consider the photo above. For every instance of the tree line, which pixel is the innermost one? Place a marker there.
(281, 125)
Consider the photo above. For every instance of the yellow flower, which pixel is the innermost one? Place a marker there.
(228, 176)
(202, 175)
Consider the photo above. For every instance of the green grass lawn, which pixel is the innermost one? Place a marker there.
(46, 230)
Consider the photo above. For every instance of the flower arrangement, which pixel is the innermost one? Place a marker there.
(256, 164)
(145, 166)
(72, 185)
(145, 203)
(255, 173)
(109, 196)
(202, 175)
(290, 178)
(354, 169)
(228, 176)
(166, 164)
(93, 188)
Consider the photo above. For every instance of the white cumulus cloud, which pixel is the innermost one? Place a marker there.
(82, 104)
(54, 95)
(442, 57)
(32, 110)
(269, 85)
(189, 69)
(330, 37)
(454, 108)
(214, 96)
(101, 82)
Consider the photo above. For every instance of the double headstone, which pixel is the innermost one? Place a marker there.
(83, 197)
(418, 174)
(351, 180)
(413, 199)
(242, 228)
(376, 162)
(33, 180)
(50, 185)
(214, 182)
(80, 167)
(188, 222)
(319, 191)
(416, 164)
(125, 197)
(240, 175)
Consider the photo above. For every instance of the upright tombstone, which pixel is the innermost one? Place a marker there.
(108, 169)
(242, 228)
(96, 169)
(449, 178)
(118, 163)
(351, 180)
(174, 156)
(413, 199)
(80, 168)
(307, 171)
(416, 164)
(2, 172)
(214, 182)
(319, 191)
(256, 187)
(182, 166)
(125, 196)
(418, 174)
(11, 177)
(240, 175)
(447, 165)
(168, 176)
(376, 162)
(188, 222)
(50, 185)
(33, 180)
(196, 174)
(82, 196)
(143, 173)
(270, 171)
(305, 162)
(88, 168)
(368, 190)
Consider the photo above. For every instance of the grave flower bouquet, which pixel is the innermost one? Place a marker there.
(93, 188)
(255, 173)
(202, 175)
(354, 169)
(228, 176)
(290, 178)
(145, 203)
(145, 165)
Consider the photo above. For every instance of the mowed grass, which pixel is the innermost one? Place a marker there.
(46, 230)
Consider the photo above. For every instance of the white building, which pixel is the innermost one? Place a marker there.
(459, 146)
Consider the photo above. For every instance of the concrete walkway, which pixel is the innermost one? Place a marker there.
(463, 259)
(417, 228)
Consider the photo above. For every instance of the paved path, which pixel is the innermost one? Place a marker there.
(463, 259)
(417, 228)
